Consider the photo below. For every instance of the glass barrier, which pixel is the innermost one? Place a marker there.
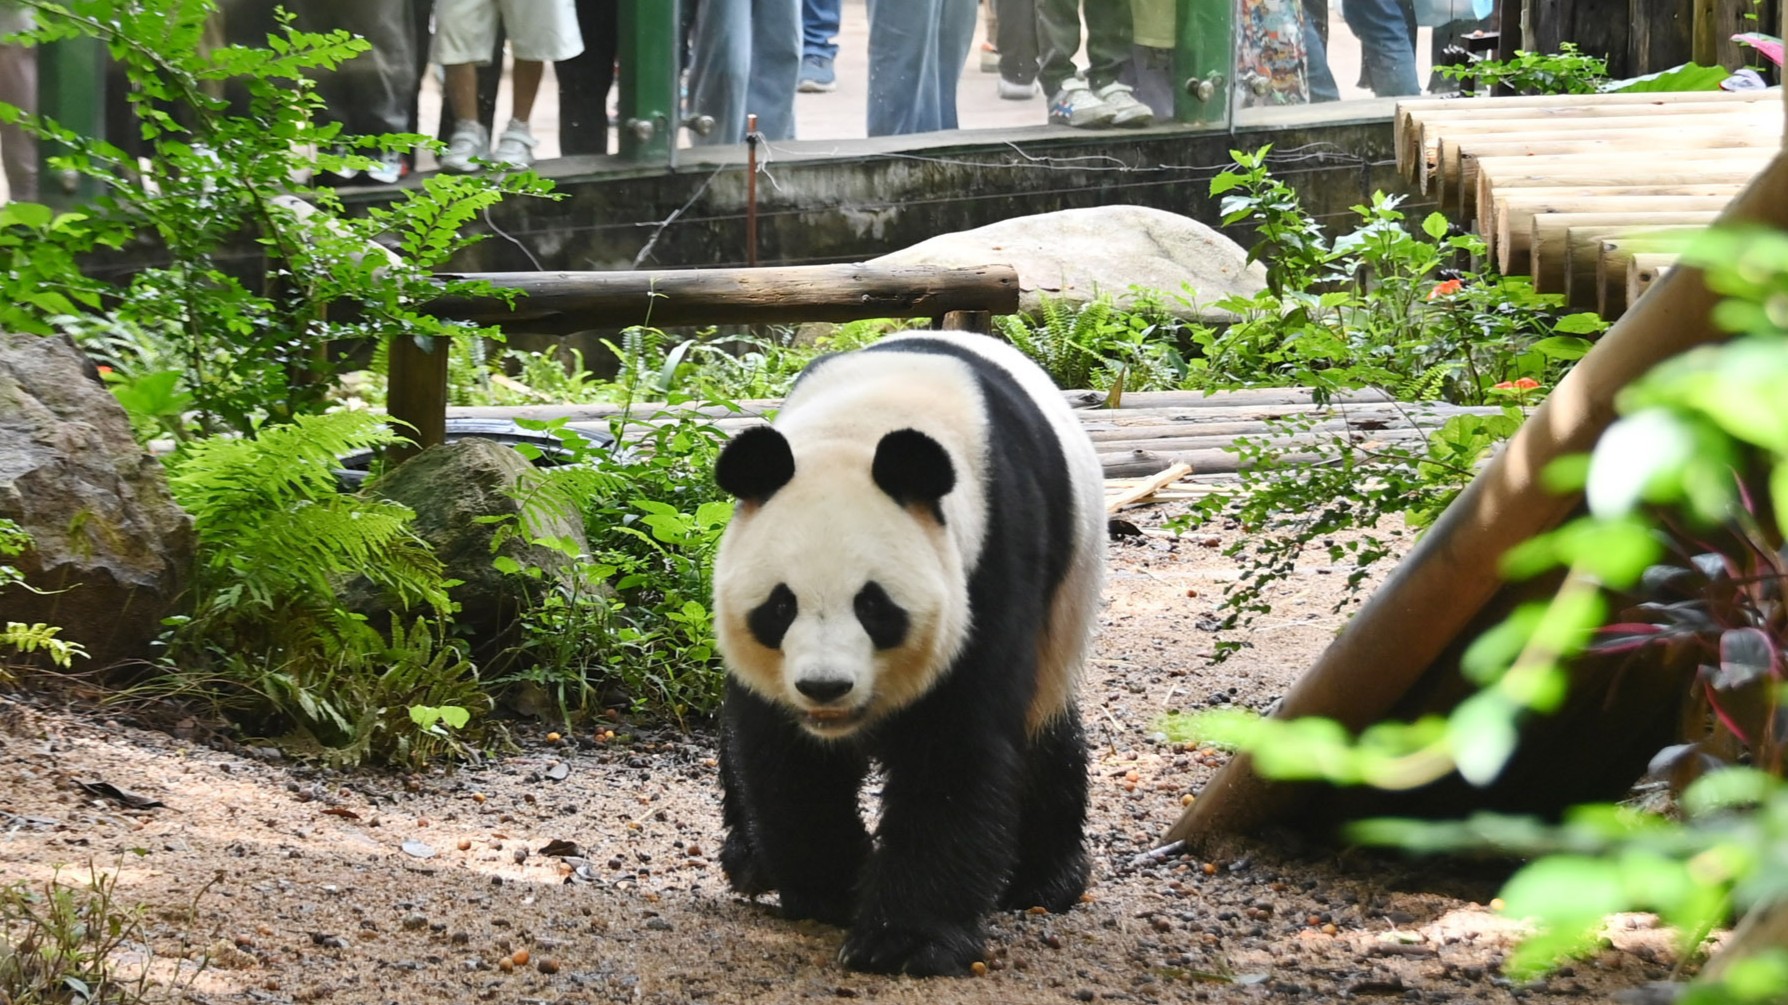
(647, 78)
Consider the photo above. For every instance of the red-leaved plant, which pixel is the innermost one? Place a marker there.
(1722, 606)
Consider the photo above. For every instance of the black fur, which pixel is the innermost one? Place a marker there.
(769, 620)
(976, 813)
(914, 469)
(754, 464)
(884, 621)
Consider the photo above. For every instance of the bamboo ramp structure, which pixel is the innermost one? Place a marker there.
(1570, 189)
(1148, 433)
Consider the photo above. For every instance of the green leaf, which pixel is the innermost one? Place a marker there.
(1582, 323)
(1435, 225)
(1635, 456)
(1482, 735)
(506, 565)
(1687, 77)
(1563, 347)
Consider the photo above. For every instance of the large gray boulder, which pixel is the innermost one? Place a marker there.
(451, 487)
(111, 549)
(1075, 255)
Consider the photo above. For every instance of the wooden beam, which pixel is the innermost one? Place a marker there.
(1583, 255)
(1551, 238)
(1690, 167)
(1422, 141)
(1612, 260)
(1667, 145)
(1515, 215)
(1644, 271)
(562, 302)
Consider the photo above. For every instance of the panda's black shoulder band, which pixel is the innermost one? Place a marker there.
(754, 464)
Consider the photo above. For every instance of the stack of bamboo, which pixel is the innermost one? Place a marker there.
(1593, 194)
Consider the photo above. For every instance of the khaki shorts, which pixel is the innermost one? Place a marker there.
(539, 30)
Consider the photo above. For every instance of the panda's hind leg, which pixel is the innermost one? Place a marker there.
(1052, 866)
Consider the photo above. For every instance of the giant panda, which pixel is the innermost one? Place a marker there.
(909, 579)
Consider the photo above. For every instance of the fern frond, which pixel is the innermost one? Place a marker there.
(38, 637)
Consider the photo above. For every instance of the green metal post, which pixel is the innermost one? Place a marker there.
(71, 89)
(1204, 61)
(649, 55)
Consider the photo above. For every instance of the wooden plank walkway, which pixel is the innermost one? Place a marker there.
(1573, 189)
(1150, 432)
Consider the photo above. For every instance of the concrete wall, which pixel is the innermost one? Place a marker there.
(829, 202)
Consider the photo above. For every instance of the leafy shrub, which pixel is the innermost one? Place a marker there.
(1098, 345)
(267, 637)
(653, 518)
(1700, 454)
(1378, 308)
(16, 635)
(198, 343)
(62, 943)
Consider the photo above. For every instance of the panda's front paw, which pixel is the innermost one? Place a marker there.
(740, 863)
(886, 948)
(800, 905)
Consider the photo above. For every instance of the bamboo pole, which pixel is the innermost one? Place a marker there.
(1551, 238)
(1397, 638)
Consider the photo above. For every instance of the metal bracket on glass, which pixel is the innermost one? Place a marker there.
(1204, 88)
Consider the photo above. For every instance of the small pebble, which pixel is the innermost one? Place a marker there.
(547, 965)
(978, 968)
(520, 956)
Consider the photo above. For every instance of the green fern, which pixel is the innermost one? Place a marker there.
(1427, 385)
(24, 638)
(268, 641)
(274, 529)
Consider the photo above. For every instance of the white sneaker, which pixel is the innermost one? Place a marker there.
(469, 139)
(515, 148)
(1075, 105)
(1126, 110)
(1012, 90)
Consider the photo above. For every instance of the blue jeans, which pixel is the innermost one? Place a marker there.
(819, 28)
(745, 58)
(1387, 45)
(1316, 56)
(917, 49)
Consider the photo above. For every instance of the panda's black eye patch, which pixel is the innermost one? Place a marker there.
(769, 620)
(881, 617)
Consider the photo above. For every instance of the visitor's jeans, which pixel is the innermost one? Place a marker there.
(1386, 30)
(1017, 40)
(745, 60)
(819, 28)
(1109, 35)
(917, 49)
(1316, 53)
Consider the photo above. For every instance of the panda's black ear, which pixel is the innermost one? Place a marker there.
(754, 464)
(913, 468)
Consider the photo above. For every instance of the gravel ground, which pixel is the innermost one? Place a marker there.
(292, 884)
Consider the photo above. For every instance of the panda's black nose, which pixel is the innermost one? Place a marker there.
(824, 689)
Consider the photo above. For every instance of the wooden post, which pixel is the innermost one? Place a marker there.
(416, 394)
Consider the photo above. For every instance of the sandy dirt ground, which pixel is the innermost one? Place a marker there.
(265, 880)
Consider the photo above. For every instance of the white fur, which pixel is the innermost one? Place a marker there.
(824, 536)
